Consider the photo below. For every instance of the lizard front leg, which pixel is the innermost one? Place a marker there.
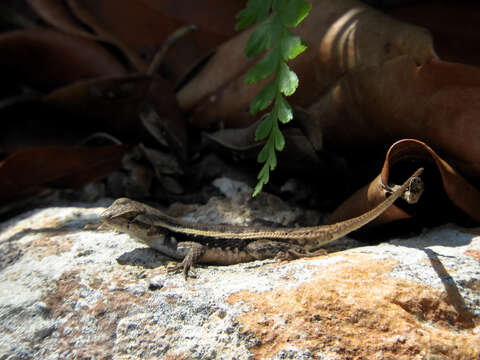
(192, 253)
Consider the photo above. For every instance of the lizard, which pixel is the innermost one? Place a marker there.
(411, 194)
(225, 244)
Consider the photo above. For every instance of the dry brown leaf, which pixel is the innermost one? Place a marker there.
(438, 103)
(55, 13)
(454, 26)
(48, 59)
(116, 102)
(298, 157)
(139, 28)
(343, 36)
(215, 17)
(29, 171)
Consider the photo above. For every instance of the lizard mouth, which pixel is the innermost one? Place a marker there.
(119, 212)
(123, 218)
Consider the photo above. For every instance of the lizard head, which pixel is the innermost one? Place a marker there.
(121, 214)
(135, 219)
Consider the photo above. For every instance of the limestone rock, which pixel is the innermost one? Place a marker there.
(71, 291)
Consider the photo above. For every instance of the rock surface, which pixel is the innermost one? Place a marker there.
(71, 291)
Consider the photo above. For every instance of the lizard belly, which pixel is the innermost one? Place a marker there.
(225, 256)
(164, 245)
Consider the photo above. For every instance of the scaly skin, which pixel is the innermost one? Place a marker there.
(230, 244)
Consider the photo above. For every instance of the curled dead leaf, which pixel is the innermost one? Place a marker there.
(446, 191)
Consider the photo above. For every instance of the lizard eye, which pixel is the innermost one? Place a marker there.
(128, 215)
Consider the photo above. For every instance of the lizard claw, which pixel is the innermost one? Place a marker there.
(194, 252)
(185, 266)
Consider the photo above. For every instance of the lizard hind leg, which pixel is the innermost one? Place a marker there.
(193, 253)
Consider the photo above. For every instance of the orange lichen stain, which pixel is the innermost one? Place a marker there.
(46, 246)
(179, 356)
(352, 310)
(51, 222)
(107, 311)
(473, 253)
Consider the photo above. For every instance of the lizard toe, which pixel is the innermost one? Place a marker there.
(185, 266)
